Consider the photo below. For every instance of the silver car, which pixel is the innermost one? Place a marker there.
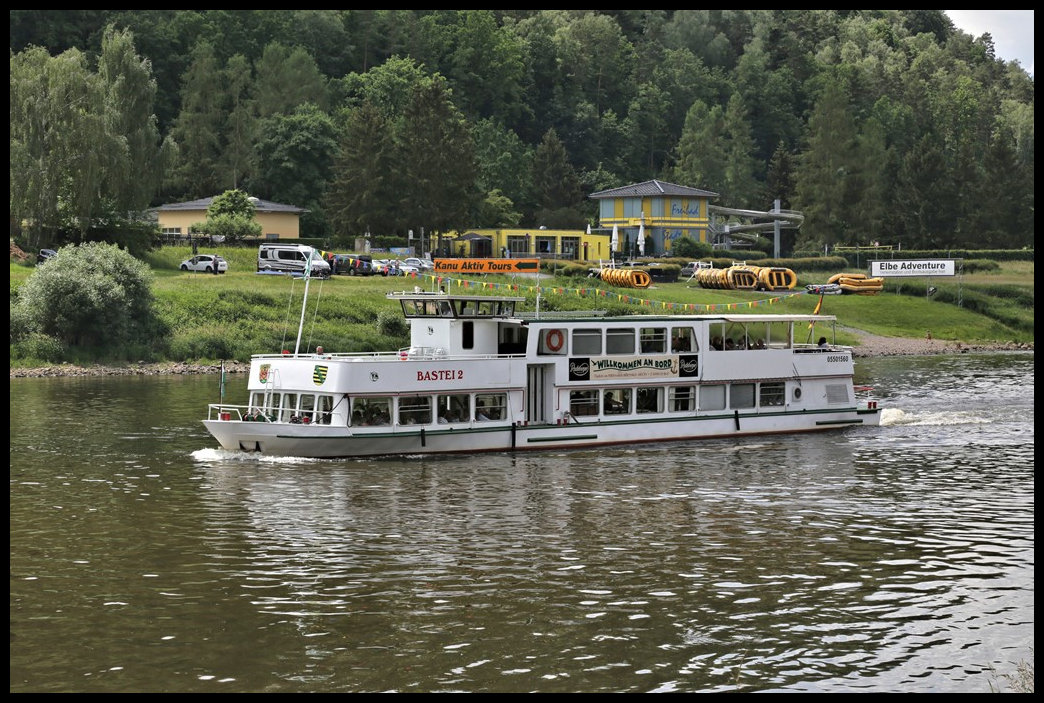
(207, 263)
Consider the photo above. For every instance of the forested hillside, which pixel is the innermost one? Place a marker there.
(879, 125)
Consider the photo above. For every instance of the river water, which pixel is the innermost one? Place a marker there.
(889, 559)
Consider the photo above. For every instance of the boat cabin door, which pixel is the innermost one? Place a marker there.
(539, 393)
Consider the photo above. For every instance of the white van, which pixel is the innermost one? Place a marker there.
(291, 258)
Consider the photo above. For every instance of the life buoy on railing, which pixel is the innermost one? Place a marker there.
(554, 340)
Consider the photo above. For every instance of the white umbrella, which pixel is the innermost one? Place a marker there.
(641, 239)
(615, 241)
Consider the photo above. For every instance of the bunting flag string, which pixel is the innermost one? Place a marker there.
(622, 297)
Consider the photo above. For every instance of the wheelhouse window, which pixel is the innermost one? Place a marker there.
(619, 340)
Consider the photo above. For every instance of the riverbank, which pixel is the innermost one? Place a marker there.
(869, 345)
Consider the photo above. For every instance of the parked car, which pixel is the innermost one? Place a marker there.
(208, 263)
(355, 265)
(419, 264)
(277, 257)
(45, 254)
(690, 268)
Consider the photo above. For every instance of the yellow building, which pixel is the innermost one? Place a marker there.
(660, 212)
(278, 221)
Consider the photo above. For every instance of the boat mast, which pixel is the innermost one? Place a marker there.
(304, 301)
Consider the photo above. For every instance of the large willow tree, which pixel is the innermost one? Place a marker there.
(85, 147)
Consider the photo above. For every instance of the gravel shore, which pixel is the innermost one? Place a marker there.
(868, 345)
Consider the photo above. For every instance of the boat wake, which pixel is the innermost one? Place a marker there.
(893, 417)
(226, 455)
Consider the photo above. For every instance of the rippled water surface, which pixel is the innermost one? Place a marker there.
(897, 558)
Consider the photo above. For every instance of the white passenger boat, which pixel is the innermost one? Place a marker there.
(481, 376)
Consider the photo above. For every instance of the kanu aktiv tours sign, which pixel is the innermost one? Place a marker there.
(917, 267)
(487, 265)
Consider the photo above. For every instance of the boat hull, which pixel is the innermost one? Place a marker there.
(331, 442)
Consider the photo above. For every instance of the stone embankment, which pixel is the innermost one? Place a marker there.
(139, 369)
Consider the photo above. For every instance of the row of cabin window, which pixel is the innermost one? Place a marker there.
(292, 407)
(651, 399)
(425, 409)
(379, 410)
(678, 340)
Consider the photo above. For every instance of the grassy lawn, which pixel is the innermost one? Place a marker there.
(234, 315)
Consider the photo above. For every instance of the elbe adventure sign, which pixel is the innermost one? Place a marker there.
(913, 267)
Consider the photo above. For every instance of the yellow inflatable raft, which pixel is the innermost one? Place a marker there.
(747, 278)
(627, 278)
(858, 283)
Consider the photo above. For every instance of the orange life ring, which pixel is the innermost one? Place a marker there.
(554, 340)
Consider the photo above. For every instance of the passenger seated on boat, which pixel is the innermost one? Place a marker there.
(717, 344)
(729, 344)
(680, 344)
(480, 412)
(444, 418)
(823, 343)
(294, 419)
(759, 344)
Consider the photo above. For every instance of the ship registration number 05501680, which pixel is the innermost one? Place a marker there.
(842, 358)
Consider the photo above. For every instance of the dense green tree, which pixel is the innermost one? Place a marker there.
(503, 161)
(388, 88)
(701, 151)
(921, 198)
(825, 172)
(324, 35)
(362, 194)
(556, 187)
(615, 85)
(437, 158)
(285, 78)
(89, 295)
(230, 215)
(295, 162)
(779, 183)
(481, 62)
(740, 187)
(85, 148)
(238, 158)
(199, 128)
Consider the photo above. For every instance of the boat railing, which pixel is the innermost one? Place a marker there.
(560, 314)
(223, 411)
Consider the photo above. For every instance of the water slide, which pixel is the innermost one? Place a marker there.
(767, 221)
